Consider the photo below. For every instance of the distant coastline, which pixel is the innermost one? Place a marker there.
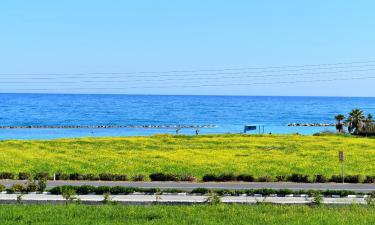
(107, 126)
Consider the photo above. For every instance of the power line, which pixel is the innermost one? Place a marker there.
(203, 85)
(268, 77)
(189, 78)
(160, 73)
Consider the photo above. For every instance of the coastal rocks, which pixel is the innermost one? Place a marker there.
(107, 126)
(311, 124)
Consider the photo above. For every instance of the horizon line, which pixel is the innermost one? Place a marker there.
(208, 95)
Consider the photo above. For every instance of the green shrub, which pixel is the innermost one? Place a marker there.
(354, 179)
(91, 177)
(348, 179)
(281, 178)
(226, 177)
(248, 191)
(284, 192)
(102, 190)
(200, 191)
(42, 175)
(69, 194)
(239, 192)
(225, 192)
(120, 177)
(189, 178)
(62, 176)
(107, 199)
(76, 176)
(304, 192)
(369, 179)
(299, 178)
(370, 199)
(320, 178)
(55, 190)
(42, 184)
(24, 176)
(265, 179)
(138, 177)
(59, 190)
(106, 177)
(213, 198)
(209, 178)
(31, 187)
(265, 191)
(163, 177)
(317, 199)
(336, 179)
(246, 178)
(173, 190)
(6, 175)
(120, 190)
(17, 188)
(85, 189)
(2, 188)
(149, 190)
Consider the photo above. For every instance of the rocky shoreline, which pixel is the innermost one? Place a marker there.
(311, 124)
(107, 126)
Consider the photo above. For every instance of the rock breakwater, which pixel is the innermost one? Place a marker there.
(311, 124)
(106, 126)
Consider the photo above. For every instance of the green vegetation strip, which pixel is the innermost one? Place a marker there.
(259, 156)
(116, 190)
(195, 214)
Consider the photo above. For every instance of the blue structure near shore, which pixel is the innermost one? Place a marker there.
(254, 127)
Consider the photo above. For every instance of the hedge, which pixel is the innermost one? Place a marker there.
(115, 190)
(87, 189)
(171, 177)
(279, 192)
(225, 177)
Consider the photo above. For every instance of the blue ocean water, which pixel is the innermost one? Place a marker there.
(228, 113)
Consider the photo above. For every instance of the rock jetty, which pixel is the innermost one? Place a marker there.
(106, 126)
(311, 124)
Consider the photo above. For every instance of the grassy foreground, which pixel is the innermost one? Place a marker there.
(196, 214)
(195, 155)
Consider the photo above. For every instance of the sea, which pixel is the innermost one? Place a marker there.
(228, 114)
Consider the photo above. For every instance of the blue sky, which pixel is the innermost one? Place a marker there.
(55, 39)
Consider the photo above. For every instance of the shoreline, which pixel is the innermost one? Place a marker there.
(106, 126)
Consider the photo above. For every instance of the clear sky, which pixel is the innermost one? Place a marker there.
(73, 46)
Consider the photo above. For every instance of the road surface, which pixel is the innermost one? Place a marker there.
(188, 186)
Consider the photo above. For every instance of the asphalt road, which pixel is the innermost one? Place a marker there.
(365, 188)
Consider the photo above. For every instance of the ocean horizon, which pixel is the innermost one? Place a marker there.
(229, 113)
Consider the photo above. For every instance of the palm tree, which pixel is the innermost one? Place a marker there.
(369, 118)
(368, 127)
(356, 121)
(339, 125)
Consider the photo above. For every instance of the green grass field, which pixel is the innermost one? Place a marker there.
(196, 214)
(195, 155)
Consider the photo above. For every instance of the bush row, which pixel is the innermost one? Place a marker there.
(299, 178)
(87, 189)
(171, 177)
(29, 187)
(102, 176)
(280, 192)
(72, 176)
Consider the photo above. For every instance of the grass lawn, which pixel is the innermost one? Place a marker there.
(195, 214)
(195, 155)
